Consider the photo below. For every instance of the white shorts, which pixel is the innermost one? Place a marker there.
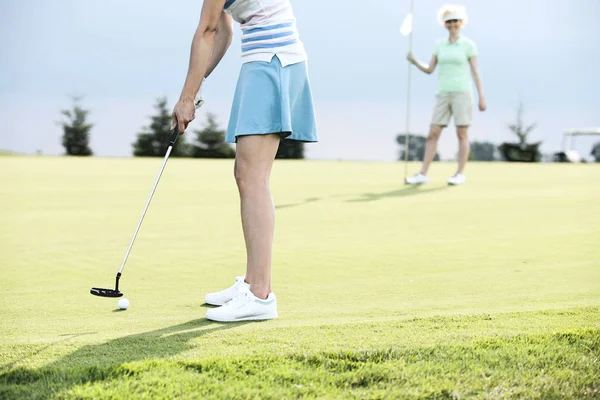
(456, 104)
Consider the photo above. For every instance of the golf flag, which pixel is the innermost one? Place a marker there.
(406, 27)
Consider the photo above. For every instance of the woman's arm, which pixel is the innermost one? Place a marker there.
(200, 58)
(223, 40)
(478, 84)
(428, 69)
(202, 47)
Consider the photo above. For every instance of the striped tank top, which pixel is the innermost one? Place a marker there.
(268, 29)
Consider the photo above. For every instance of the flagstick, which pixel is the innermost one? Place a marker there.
(407, 130)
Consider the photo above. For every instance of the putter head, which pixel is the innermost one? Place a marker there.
(105, 292)
(109, 292)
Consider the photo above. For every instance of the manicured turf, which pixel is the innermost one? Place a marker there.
(488, 290)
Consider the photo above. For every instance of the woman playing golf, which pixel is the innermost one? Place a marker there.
(272, 101)
(455, 56)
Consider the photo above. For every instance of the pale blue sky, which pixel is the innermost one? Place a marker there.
(122, 55)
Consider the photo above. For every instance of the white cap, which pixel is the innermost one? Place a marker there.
(452, 11)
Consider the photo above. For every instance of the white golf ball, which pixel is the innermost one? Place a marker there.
(123, 304)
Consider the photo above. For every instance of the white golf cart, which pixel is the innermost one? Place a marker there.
(568, 154)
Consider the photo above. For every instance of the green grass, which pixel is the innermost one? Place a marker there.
(489, 290)
(7, 153)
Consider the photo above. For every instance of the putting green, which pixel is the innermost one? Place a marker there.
(363, 266)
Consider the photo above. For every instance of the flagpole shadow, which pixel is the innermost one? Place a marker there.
(403, 192)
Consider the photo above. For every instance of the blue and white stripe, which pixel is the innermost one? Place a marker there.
(269, 37)
(268, 28)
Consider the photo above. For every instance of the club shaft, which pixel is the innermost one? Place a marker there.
(137, 228)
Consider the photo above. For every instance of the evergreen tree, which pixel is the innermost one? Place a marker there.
(76, 131)
(153, 141)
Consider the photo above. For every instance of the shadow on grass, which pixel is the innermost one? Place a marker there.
(309, 200)
(91, 363)
(404, 192)
(43, 348)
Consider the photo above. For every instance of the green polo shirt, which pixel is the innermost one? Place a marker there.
(454, 71)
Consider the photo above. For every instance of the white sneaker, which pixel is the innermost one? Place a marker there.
(457, 179)
(245, 307)
(417, 179)
(222, 297)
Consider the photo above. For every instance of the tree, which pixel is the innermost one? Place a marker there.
(76, 131)
(482, 151)
(519, 128)
(416, 147)
(153, 141)
(521, 151)
(211, 141)
(290, 149)
(596, 152)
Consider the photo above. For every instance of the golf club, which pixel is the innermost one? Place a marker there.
(115, 292)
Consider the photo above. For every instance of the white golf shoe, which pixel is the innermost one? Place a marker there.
(417, 179)
(222, 297)
(457, 179)
(245, 307)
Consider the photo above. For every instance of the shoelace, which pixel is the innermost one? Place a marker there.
(238, 286)
(240, 297)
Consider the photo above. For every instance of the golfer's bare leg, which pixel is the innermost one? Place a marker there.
(431, 146)
(463, 147)
(254, 159)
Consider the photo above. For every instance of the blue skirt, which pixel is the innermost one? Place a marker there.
(270, 98)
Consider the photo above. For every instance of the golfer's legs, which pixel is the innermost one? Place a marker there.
(431, 146)
(462, 109)
(439, 120)
(463, 147)
(254, 159)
